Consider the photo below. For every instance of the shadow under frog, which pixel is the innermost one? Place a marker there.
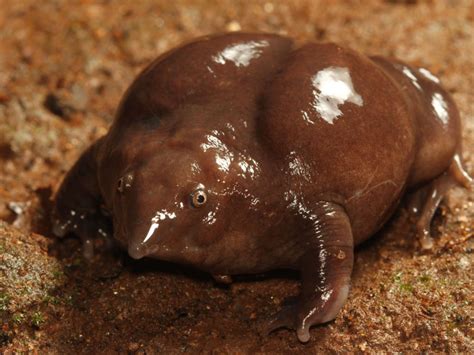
(241, 153)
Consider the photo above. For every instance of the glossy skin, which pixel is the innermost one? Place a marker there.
(300, 154)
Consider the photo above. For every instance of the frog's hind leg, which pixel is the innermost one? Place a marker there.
(459, 172)
(427, 199)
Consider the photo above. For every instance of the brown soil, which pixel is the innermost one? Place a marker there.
(63, 68)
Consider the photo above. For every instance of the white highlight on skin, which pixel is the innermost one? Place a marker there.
(223, 162)
(245, 193)
(223, 157)
(333, 87)
(306, 117)
(244, 166)
(248, 166)
(299, 206)
(411, 76)
(195, 168)
(428, 75)
(298, 167)
(159, 216)
(465, 175)
(241, 54)
(210, 218)
(342, 294)
(325, 296)
(322, 262)
(254, 201)
(154, 226)
(231, 130)
(440, 107)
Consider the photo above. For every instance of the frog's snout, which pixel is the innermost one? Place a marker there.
(137, 251)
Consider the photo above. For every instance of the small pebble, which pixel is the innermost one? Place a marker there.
(233, 26)
(133, 346)
(464, 263)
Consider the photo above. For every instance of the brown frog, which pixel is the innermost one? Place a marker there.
(241, 153)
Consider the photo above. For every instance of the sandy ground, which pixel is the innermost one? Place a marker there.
(63, 68)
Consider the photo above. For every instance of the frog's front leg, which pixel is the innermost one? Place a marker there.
(77, 203)
(325, 268)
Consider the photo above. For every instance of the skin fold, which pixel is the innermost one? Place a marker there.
(241, 153)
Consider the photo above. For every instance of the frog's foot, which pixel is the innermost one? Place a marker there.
(326, 267)
(433, 194)
(323, 307)
(87, 226)
(459, 172)
(285, 318)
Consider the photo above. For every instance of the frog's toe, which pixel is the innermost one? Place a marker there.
(87, 248)
(303, 333)
(285, 318)
(61, 227)
(58, 229)
(434, 193)
(290, 317)
(425, 239)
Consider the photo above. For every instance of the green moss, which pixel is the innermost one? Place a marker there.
(397, 277)
(4, 301)
(18, 318)
(48, 299)
(425, 278)
(406, 287)
(37, 319)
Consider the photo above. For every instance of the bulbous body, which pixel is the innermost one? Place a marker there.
(242, 153)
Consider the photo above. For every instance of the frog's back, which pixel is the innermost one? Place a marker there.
(206, 72)
(341, 128)
(201, 71)
(438, 125)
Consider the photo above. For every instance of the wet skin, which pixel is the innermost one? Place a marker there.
(242, 153)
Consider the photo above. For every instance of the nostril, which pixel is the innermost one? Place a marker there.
(125, 182)
(120, 185)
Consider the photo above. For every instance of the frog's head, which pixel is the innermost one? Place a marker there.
(192, 203)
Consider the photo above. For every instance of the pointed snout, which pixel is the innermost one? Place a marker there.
(139, 247)
(137, 251)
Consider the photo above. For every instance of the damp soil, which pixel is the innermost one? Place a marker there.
(64, 66)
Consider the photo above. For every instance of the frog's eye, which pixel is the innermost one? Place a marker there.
(124, 182)
(198, 198)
